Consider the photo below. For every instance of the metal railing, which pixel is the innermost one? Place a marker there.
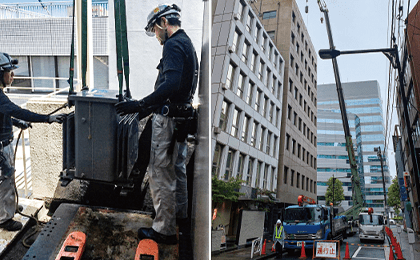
(47, 9)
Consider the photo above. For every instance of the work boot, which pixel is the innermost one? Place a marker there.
(149, 233)
(185, 247)
(11, 225)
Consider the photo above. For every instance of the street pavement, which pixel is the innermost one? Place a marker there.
(370, 251)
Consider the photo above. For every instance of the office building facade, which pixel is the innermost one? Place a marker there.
(247, 86)
(298, 136)
(363, 100)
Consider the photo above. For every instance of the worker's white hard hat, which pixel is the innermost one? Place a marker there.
(162, 10)
(6, 62)
(278, 221)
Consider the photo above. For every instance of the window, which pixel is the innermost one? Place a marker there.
(230, 74)
(253, 61)
(240, 89)
(257, 177)
(229, 162)
(262, 43)
(235, 123)
(260, 72)
(269, 15)
(311, 185)
(296, 93)
(257, 32)
(265, 185)
(215, 170)
(267, 74)
(275, 146)
(295, 118)
(297, 180)
(293, 146)
(304, 129)
(298, 153)
(240, 10)
(273, 85)
(293, 17)
(245, 52)
(286, 171)
(249, 22)
(290, 85)
(292, 60)
(271, 112)
(245, 128)
(249, 93)
(272, 35)
(267, 142)
(297, 48)
(292, 38)
(254, 133)
(292, 177)
(249, 172)
(303, 182)
(302, 37)
(303, 154)
(298, 27)
(300, 99)
(235, 43)
(287, 141)
(278, 117)
(240, 170)
(264, 107)
(297, 69)
(300, 124)
(289, 112)
(224, 115)
(257, 100)
(261, 139)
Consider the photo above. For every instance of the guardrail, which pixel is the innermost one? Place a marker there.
(47, 9)
(33, 84)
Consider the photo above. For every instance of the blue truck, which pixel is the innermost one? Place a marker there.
(307, 223)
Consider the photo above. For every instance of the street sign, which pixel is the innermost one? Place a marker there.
(326, 249)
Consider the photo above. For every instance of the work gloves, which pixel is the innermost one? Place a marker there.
(129, 107)
(59, 118)
(22, 124)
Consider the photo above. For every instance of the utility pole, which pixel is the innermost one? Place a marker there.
(378, 150)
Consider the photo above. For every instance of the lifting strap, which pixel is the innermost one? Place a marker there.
(84, 43)
(123, 64)
(71, 70)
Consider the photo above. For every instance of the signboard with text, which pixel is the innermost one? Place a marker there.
(327, 249)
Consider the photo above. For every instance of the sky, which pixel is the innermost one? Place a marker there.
(356, 25)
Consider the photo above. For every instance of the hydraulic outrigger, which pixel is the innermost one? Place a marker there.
(358, 202)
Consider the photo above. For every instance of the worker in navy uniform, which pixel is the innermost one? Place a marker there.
(171, 98)
(12, 115)
(278, 239)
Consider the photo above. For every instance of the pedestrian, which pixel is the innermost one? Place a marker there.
(12, 115)
(278, 239)
(171, 103)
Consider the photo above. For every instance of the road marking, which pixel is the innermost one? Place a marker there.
(365, 245)
(354, 256)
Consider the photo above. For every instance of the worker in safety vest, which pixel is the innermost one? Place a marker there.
(171, 100)
(278, 239)
(12, 115)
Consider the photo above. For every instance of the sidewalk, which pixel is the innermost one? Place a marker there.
(242, 253)
(405, 246)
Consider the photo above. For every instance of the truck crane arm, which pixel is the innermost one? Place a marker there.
(358, 202)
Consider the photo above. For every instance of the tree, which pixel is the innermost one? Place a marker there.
(394, 195)
(225, 190)
(338, 192)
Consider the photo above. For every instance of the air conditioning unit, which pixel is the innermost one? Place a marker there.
(230, 49)
(217, 130)
(236, 16)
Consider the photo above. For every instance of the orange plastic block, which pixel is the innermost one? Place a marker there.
(73, 246)
(147, 250)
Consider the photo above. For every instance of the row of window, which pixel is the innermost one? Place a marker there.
(303, 81)
(302, 102)
(300, 151)
(301, 181)
(304, 61)
(259, 35)
(244, 167)
(259, 137)
(297, 121)
(244, 87)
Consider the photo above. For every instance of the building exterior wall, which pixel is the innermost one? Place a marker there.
(246, 96)
(363, 99)
(332, 154)
(283, 22)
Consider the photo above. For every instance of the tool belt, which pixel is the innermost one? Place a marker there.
(185, 117)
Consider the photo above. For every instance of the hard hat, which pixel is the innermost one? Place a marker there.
(278, 221)
(6, 63)
(162, 10)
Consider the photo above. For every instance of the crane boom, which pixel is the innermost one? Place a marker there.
(357, 196)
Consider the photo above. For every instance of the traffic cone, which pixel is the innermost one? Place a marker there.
(391, 253)
(263, 248)
(347, 256)
(273, 249)
(302, 252)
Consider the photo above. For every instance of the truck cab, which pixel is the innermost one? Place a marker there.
(371, 226)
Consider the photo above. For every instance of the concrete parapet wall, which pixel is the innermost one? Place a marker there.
(46, 148)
